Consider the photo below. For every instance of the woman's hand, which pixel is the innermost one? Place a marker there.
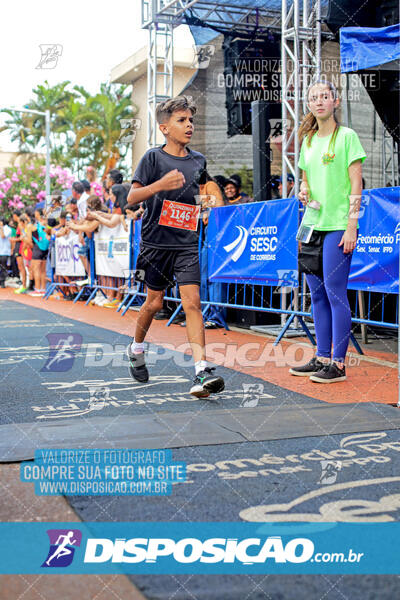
(349, 240)
(91, 215)
(304, 193)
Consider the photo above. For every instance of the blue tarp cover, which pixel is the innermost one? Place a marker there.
(367, 47)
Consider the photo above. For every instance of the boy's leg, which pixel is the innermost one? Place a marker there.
(190, 297)
(151, 306)
(135, 350)
(205, 381)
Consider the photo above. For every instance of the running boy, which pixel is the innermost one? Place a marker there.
(167, 181)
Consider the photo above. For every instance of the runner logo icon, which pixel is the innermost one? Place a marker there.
(62, 547)
(239, 244)
(251, 394)
(63, 347)
(50, 54)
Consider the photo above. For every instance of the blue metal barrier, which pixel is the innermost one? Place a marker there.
(376, 310)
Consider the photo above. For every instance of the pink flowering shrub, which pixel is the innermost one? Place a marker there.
(96, 188)
(25, 185)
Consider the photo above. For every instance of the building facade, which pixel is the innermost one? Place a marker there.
(207, 87)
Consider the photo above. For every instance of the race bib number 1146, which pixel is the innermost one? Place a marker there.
(182, 216)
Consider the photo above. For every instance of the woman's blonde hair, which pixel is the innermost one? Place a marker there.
(309, 124)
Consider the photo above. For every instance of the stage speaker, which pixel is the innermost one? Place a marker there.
(251, 72)
(261, 151)
(386, 99)
(350, 13)
(387, 13)
(361, 13)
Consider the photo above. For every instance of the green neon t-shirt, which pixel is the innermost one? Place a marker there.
(328, 177)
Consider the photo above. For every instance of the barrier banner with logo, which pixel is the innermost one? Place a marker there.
(375, 264)
(68, 262)
(112, 251)
(254, 243)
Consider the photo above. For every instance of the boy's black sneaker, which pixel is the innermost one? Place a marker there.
(206, 383)
(179, 319)
(329, 374)
(162, 315)
(137, 366)
(313, 366)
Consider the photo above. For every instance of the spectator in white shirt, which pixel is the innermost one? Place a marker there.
(79, 194)
(86, 190)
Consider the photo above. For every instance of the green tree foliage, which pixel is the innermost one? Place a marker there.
(85, 129)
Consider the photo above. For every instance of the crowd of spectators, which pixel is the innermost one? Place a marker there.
(27, 239)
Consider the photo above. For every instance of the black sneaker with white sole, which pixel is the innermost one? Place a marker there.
(329, 374)
(313, 366)
(206, 383)
(137, 366)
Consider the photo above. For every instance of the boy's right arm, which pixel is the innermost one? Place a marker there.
(173, 180)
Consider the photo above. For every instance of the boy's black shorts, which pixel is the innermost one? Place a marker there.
(157, 267)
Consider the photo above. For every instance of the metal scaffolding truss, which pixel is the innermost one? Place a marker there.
(301, 61)
(390, 157)
(221, 15)
(159, 80)
(300, 44)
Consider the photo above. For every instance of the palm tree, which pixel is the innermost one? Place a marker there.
(85, 129)
(100, 123)
(20, 129)
(29, 130)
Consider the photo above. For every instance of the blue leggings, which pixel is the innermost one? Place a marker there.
(332, 316)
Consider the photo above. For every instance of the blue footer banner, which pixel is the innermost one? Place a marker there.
(254, 243)
(173, 548)
(375, 263)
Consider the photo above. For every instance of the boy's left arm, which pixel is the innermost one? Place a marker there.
(349, 238)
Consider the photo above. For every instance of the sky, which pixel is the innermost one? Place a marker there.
(95, 37)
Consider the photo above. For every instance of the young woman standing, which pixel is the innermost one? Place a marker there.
(330, 158)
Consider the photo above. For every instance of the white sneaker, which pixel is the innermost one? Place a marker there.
(82, 282)
(100, 301)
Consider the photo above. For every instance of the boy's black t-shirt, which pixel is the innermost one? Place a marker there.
(155, 164)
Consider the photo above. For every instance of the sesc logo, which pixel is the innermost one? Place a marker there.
(192, 550)
(62, 550)
(239, 244)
